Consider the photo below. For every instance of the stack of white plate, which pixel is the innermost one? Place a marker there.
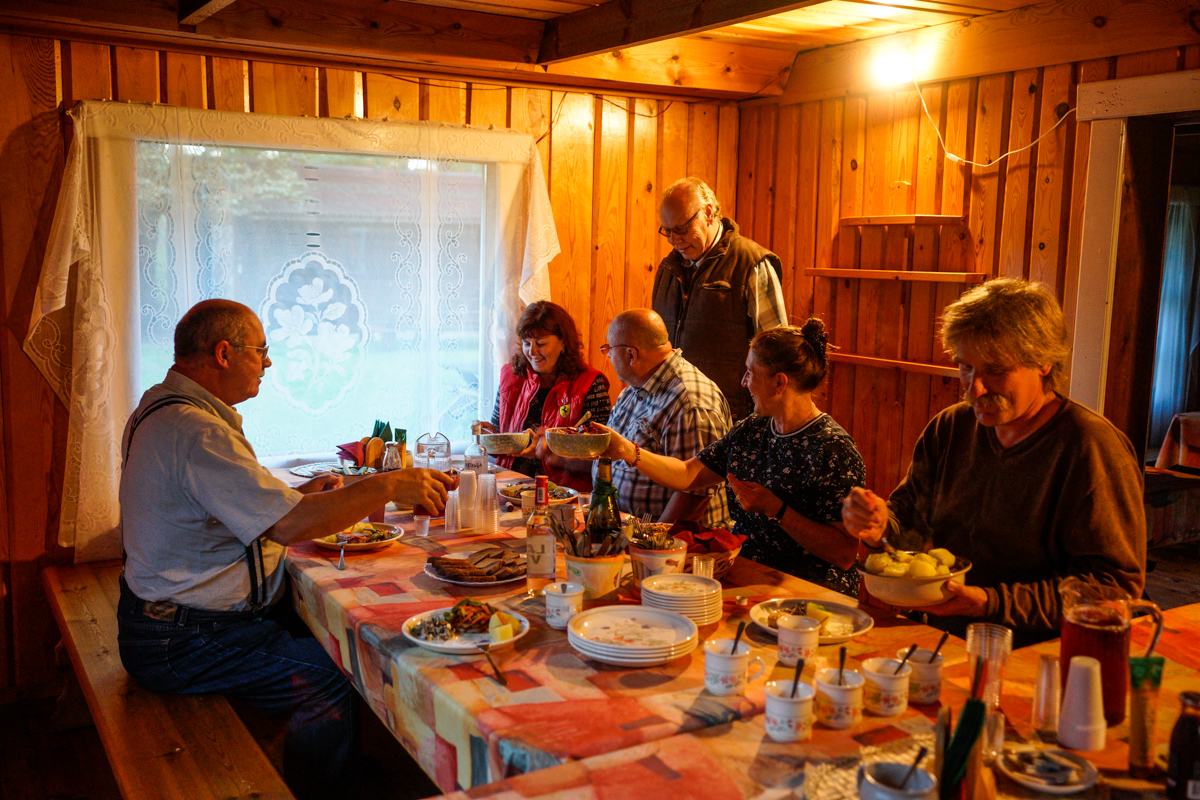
(632, 636)
(698, 599)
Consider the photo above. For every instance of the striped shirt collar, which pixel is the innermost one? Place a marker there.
(662, 376)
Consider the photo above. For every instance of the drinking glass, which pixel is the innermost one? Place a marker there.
(703, 565)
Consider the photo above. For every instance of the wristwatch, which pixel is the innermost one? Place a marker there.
(778, 515)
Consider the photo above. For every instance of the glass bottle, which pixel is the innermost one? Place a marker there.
(475, 456)
(1183, 764)
(540, 566)
(604, 518)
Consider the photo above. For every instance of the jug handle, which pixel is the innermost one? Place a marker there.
(1156, 613)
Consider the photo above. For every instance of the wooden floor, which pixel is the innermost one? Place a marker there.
(1175, 579)
(32, 757)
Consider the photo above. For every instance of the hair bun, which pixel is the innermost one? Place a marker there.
(813, 332)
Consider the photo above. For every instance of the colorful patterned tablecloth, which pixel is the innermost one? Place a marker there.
(738, 759)
(465, 729)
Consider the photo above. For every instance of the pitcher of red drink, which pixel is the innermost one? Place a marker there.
(1095, 622)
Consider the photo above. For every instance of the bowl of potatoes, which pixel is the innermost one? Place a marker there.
(912, 580)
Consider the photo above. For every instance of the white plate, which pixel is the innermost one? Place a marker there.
(1090, 775)
(529, 484)
(629, 661)
(621, 652)
(861, 620)
(681, 586)
(335, 467)
(330, 542)
(462, 644)
(463, 556)
(633, 628)
(670, 605)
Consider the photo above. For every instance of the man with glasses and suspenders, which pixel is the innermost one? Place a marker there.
(204, 531)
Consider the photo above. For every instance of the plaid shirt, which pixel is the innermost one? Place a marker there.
(764, 296)
(677, 413)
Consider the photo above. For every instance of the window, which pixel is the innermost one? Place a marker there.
(365, 270)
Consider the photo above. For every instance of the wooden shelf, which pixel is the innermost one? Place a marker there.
(899, 275)
(887, 363)
(905, 219)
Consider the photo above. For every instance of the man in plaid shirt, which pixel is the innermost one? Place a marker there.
(670, 408)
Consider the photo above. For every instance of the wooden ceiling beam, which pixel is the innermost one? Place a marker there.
(193, 12)
(1035, 36)
(618, 24)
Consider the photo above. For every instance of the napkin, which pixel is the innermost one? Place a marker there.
(702, 539)
(352, 451)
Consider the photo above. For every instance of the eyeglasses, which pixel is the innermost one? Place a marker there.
(262, 351)
(605, 348)
(679, 230)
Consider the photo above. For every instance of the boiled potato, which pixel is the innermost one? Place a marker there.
(921, 569)
(903, 557)
(942, 569)
(876, 563)
(928, 559)
(944, 556)
(819, 613)
(896, 569)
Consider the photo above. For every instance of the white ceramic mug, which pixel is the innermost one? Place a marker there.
(787, 718)
(798, 638)
(563, 601)
(878, 781)
(925, 682)
(886, 692)
(839, 706)
(725, 672)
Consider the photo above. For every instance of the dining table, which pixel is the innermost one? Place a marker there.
(560, 709)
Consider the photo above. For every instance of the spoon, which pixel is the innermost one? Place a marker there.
(796, 677)
(924, 751)
(483, 648)
(738, 637)
(583, 421)
(938, 649)
(841, 663)
(904, 660)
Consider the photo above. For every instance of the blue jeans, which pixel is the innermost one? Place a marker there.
(251, 656)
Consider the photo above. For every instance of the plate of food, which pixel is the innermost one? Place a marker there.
(362, 536)
(490, 565)
(1050, 770)
(559, 495)
(335, 467)
(839, 623)
(460, 629)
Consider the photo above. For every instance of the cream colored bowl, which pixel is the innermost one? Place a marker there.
(913, 592)
(576, 445)
(505, 444)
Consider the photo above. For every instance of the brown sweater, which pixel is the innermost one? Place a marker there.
(1067, 500)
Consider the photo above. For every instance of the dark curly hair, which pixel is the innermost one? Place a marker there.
(544, 318)
(799, 353)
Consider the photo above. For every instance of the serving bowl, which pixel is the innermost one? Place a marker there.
(505, 444)
(913, 592)
(568, 444)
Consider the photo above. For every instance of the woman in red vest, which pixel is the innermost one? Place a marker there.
(549, 385)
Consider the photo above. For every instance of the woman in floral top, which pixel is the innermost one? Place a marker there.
(788, 465)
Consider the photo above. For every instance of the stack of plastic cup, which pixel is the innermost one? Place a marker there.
(452, 511)
(466, 500)
(992, 643)
(487, 506)
(1081, 724)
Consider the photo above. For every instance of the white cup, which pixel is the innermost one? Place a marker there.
(466, 500)
(798, 638)
(1081, 724)
(925, 682)
(528, 504)
(878, 781)
(787, 718)
(563, 601)
(422, 521)
(837, 706)
(725, 672)
(886, 691)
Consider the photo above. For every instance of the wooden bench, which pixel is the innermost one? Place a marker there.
(160, 746)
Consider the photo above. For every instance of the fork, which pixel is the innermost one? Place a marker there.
(483, 648)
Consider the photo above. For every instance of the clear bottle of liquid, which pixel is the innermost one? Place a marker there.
(540, 562)
(604, 518)
(475, 456)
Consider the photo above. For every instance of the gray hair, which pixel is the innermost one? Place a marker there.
(694, 187)
(1012, 322)
(209, 322)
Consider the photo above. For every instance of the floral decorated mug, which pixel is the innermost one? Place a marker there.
(886, 692)
(798, 638)
(925, 683)
(563, 601)
(839, 705)
(788, 718)
(725, 671)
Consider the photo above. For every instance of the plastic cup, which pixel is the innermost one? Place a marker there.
(1081, 724)
(466, 500)
(798, 638)
(452, 511)
(925, 682)
(839, 706)
(886, 691)
(422, 521)
(992, 643)
(703, 565)
(487, 506)
(787, 718)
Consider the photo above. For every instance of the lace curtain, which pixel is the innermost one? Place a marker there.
(162, 206)
(1177, 356)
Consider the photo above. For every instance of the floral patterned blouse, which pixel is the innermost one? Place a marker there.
(811, 469)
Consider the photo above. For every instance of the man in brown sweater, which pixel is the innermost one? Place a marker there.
(1027, 484)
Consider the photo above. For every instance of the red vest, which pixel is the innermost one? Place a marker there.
(567, 395)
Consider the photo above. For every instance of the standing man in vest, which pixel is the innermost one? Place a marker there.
(204, 527)
(716, 289)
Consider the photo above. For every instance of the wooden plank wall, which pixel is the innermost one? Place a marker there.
(606, 159)
(802, 167)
